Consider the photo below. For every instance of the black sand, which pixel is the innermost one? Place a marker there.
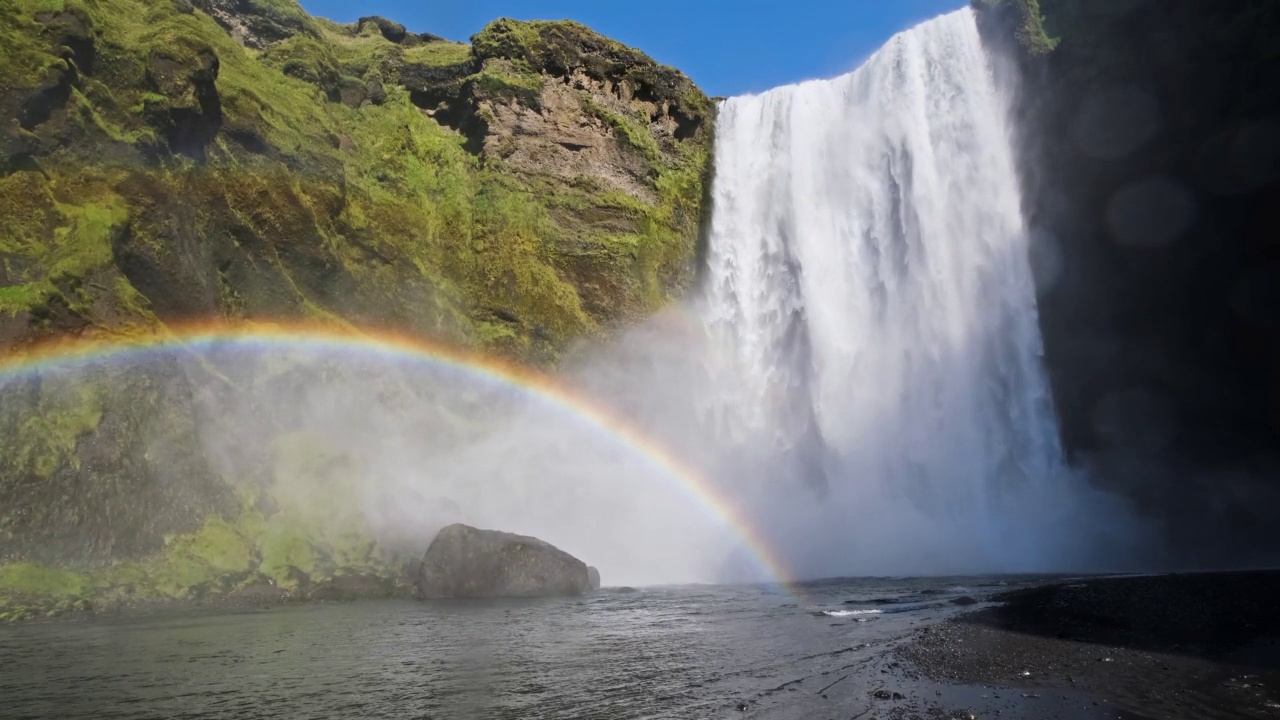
(1173, 646)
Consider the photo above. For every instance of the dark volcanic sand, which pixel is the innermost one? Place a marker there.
(1173, 646)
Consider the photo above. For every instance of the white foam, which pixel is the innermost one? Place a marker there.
(847, 613)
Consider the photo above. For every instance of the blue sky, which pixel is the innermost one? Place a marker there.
(727, 47)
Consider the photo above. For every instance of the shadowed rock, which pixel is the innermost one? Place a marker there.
(593, 579)
(466, 562)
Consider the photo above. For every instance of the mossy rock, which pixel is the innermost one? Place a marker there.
(101, 465)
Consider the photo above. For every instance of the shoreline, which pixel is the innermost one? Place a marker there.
(1204, 645)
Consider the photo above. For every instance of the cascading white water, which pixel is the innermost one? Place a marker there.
(872, 313)
(857, 392)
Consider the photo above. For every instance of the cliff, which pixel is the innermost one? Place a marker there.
(239, 159)
(1150, 150)
(164, 162)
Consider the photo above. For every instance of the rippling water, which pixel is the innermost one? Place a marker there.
(657, 652)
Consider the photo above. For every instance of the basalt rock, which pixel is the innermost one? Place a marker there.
(464, 562)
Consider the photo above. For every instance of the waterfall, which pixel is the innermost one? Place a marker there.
(872, 315)
(857, 388)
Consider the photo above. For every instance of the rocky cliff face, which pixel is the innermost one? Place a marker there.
(1151, 153)
(174, 161)
(238, 159)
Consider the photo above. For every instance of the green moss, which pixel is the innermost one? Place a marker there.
(212, 559)
(47, 439)
(287, 550)
(502, 80)
(1031, 33)
(507, 38)
(286, 12)
(30, 213)
(15, 299)
(49, 246)
(364, 55)
(422, 236)
(306, 59)
(85, 243)
(542, 42)
(29, 579)
(24, 55)
(29, 590)
(628, 130)
(438, 54)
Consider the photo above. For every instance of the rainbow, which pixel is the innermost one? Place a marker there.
(70, 353)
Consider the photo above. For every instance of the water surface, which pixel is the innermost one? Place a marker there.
(700, 651)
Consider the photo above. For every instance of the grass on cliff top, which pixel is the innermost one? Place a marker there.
(363, 54)
(537, 40)
(439, 54)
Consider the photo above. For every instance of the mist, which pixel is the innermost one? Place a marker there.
(858, 385)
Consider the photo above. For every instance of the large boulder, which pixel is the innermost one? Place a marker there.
(463, 561)
(593, 579)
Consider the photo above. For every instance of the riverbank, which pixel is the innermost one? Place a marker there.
(1170, 646)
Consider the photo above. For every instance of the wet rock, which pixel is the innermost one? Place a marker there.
(353, 587)
(261, 592)
(593, 578)
(467, 562)
(964, 601)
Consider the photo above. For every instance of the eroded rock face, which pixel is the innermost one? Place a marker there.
(561, 101)
(255, 25)
(593, 579)
(465, 562)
